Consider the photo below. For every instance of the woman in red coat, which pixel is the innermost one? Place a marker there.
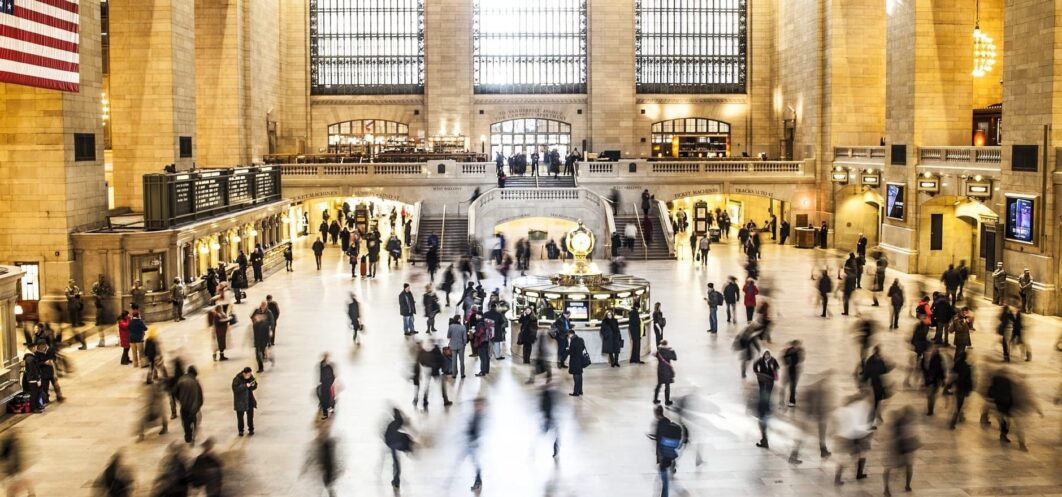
(123, 336)
(750, 291)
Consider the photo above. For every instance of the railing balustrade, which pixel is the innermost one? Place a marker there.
(960, 155)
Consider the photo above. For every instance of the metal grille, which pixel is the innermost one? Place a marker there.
(690, 46)
(366, 47)
(521, 46)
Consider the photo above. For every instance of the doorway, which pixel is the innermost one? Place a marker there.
(530, 135)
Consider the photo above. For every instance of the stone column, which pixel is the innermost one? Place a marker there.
(152, 90)
(46, 192)
(610, 76)
(448, 68)
(928, 97)
(1032, 106)
(219, 73)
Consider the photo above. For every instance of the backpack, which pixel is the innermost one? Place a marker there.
(670, 440)
(715, 298)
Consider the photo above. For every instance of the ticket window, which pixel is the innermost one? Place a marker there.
(150, 270)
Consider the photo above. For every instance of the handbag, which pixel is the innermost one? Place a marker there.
(233, 320)
(586, 358)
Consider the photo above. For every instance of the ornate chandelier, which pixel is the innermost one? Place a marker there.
(983, 46)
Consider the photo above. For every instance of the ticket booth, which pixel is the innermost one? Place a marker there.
(700, 218)
(361, 218)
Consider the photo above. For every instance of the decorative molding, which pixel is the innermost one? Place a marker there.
(529, 99)
(692, 99)
(367, 100)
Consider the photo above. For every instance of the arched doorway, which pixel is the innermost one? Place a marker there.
(857, 211)
(538, 231)
(691, 137)
(950, 231)
(367, 137)
(528, 135)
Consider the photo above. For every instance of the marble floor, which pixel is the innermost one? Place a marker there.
(604, 449)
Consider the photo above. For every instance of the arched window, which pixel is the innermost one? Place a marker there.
(690, 46)
(691, 137)
(529, 135)
(360, 47)
(366, 136)
(521, 46)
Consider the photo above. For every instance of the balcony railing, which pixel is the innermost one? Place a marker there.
(859, 152)
(959, 155)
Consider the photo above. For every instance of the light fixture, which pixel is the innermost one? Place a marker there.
(236, 238)
(203, 249)
(215, 245)
(983, 45)
(253, 232)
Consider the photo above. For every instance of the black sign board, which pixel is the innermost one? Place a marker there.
(172, 199)
(239, 189)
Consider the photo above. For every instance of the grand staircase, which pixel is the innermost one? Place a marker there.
(454, 239)
(540, 182)
(655, 250)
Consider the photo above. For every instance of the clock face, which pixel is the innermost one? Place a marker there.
(581, 242)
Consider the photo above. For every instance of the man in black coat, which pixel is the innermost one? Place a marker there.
(576, 362)
(952, 279)
(942, 312)
(274, 309)
(261, 324)
(634, 328)
(190, 395)
(243, 401)
(318, 249)
(561, 326)
(731, 293)
(784, 232)
(257, 259)
(407, 307)
(32, 377)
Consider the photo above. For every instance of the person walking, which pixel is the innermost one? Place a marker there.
(243, 402)
(177, 294)
(447, 285)
(190, 397)
(116, 479)
(578, 360)
(457, 335)
(430, 301)
(665, 372)
(326, 375)
(153, 356)
(963, 384)
(611, 338)
(704, 245)
(496, 315)
(951, 279)
(397, 441)
(714, 300)
(669, 437)
(482, 333)
(32, 377)
(874, 370)
(933, 376)
(855, 430)
(219, 321)
(474, 433)
(528, 333)
(123, 336)
(260, 326)
(750, 291)
(274, 309)
(731, 294)
(635, 331)
(793, 358)
(766, 370)
(318, 250)
(903, 444)
(407, 307)
(207, 471)
(289, 259)
(559, 332)
(354, 315)
(324, 457)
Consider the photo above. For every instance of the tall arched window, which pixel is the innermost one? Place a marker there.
(367, 136)
(529, 135)
(360, 47)
(690, 46)
(691, 137)
(536, 46)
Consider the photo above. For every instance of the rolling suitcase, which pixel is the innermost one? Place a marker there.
(363, 267)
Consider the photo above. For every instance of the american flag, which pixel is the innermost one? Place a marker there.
(39, 43)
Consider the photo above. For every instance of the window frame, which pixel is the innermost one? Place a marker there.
(339, 75)
(669, 59)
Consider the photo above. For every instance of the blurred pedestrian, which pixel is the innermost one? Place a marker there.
(154, 410)
(190, 396)
(274, 308)
(824, 285)
(934, 376)
(669, 437)
(354, 315)
(903, 442)
(174, 476)
(747, 345)
(474, 434)
(547, 404)
(324, 457)
(260, 326)
(766, 369)
(793, 358)
(116, 479)
(963, 383)
(397, 441)
(874, 370)
(326, 375)
(578, 360)
(207, 471)
(855, 432)
(14, 460)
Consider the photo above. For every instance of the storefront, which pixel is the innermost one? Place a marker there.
(691, 137)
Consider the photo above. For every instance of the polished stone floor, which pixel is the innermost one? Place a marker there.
(604, 450)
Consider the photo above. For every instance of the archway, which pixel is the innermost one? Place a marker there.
(364, 212)
(857, 210)
(538, 231)
(691, 137)
(367, 137)
(529, 135)
(949, 232)
(741, 207)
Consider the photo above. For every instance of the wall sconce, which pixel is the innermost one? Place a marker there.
(215, 245)
(236, 238)
(929, 184)
(253, 232)
(203, 249)
(870, 177)
(979, 188)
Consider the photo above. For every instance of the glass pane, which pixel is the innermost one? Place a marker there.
(518, 126)
(495, 139)
(565, 138)
(554, 126)
(496, 128)
(357, 128)
(530, 125)
(542, 125)
(507, 140)
(667, 126)
(724, 128)
(566, 128)
(680, 126)
(702, 125)
(507, 127)
(518, 139)
(403, 129)
(370, 126)
(392, 127)
(657, 127)
(713, 126)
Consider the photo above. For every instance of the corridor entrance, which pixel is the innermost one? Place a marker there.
(951, 230)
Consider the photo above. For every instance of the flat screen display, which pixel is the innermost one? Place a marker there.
(1020, 218)
(894, 200)
(580, 310)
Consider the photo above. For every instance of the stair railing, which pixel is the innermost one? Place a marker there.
(442, 234)
(638, 219)
(665, 224)
(414, 233)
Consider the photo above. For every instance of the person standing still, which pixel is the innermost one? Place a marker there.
(527, 336)
(318, 250)
(659, 323)
(137, 332)
(750, 291)
(896, 299)
(576, 362)
(457, 335)
(289, 258)
(634, 329)
(177, 294)
(431, 306)
(999, 285)
(665, 372)
(1025, 283)
(243, 401)
(407, 307)
(714, 300)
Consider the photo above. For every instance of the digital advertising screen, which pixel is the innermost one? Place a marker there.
(1021, 218)
(894, 196)
(580, 310)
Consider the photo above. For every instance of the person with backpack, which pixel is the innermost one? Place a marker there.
(714, 300)
(669, 437)
(579, 360)
(665, 372)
